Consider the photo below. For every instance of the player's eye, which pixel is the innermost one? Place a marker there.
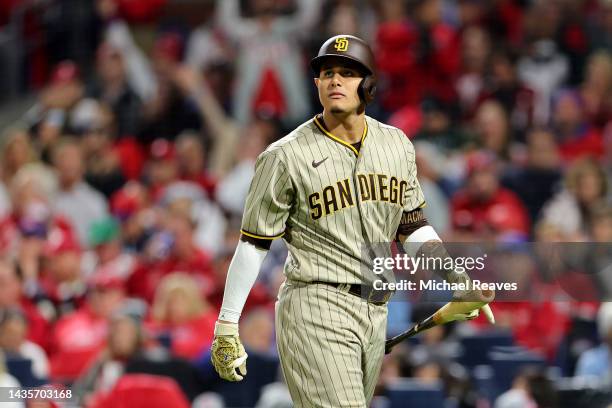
(348, 73)
(328, 73)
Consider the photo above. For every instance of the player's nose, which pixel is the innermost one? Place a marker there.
(336, 80)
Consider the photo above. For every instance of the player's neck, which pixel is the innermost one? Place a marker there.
(348, 128)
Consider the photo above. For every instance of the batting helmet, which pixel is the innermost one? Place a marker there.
(353, 49)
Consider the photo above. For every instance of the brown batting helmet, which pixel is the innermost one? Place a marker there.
(355, 50)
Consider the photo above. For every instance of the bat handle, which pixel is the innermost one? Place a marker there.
(416, 329)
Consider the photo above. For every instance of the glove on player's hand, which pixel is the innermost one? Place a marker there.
(474, 296)
(486, 309)
(227, 353)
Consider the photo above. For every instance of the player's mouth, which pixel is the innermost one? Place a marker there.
(336, 95)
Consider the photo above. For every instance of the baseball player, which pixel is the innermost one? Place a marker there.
(337, 182)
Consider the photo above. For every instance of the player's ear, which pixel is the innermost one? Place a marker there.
(316, 81)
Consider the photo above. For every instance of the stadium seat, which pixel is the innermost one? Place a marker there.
(475, 348)
(143, 391)
(508, 363)
(416, 394)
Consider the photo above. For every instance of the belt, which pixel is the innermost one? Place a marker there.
(366, 292)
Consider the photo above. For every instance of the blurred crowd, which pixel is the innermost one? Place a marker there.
(122, 187)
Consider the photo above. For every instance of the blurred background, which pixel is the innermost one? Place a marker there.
(129, 131)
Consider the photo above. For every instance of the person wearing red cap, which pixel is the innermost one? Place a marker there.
(79, 337)
(483, 208)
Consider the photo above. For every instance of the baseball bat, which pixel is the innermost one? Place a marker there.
(443, 315)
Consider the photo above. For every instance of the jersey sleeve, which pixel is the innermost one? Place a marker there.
(269, 199)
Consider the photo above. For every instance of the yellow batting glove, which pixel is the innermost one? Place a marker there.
(486, 309)
(227, 353)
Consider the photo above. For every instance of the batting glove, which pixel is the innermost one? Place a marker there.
(486, 309)
(227, 353)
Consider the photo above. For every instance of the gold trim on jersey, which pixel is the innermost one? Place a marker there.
(248, 234)
(337, 139)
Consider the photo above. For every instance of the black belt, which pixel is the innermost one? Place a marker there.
(366, 292)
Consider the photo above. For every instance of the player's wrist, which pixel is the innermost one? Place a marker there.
(224, 328)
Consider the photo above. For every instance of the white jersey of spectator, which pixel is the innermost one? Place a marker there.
(203, 49)
(275, 47)
(543, 72)
(81, 205)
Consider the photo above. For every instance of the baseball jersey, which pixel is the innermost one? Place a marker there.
(328, 199)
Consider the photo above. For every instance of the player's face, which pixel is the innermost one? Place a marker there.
(337, 84)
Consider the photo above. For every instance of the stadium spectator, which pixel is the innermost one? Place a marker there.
(172, 249)
(530, 388)
(188, 200)
(131, 205)
(76, 200)
(125, 341)
(49, 116)
(543, 70)
(169, 112)
(486, 209)
(12, 297)
(596, 89)
(7, 380)
(94, 123)
(270, 74)
(539, 177)
(569, 210)
(475, 52)
(595, 363)
(493, 130)
(110, 258)
(192, 157)
(575, 135)
(504, 86)
(79, 337)
(113, 89)
(179, 311)
(13, 341)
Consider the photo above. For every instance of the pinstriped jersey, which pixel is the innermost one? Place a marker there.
(327, 199)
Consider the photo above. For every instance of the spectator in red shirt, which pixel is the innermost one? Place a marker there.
(11, 296)
(180, 311)
(576, 136)
(172, 249)
(483, 209)
(61, 281)
(79, 337)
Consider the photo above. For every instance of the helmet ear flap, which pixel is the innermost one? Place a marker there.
(367, 89)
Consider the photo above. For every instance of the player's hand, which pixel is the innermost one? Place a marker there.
(486, 309)
(483, 297)
(227, 353)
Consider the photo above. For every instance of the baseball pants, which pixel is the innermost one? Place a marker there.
(331, 345)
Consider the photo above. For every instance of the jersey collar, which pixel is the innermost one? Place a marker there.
(337, 139)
